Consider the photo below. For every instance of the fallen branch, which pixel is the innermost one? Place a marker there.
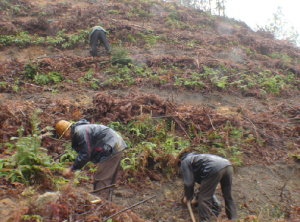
(59, 155)
(263, 134)
(211, 122)
(281, 193)
(183, 129)
(174, 117)
(50, 89)
(44, 57)
(103, 188)
(253, 127)
(128, 208)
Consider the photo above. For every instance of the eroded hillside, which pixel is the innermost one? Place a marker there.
(175, 77)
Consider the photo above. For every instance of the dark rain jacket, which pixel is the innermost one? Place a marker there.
(94, 142)
(95, 28)
(198, 168)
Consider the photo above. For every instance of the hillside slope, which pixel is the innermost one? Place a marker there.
(204, 81)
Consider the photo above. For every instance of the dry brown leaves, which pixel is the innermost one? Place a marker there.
(77, 205)
(273, 127)
(277, 128)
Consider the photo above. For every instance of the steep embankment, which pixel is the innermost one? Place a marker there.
(206, 81)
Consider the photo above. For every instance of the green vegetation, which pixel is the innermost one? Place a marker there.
(120, 55)
(282, 56)
(152, 144)
(62, 40)
(149, 39)
(94, 83)
(113, 11)
(193, 82)
(30, 162)
(44, 79)
(32, 72)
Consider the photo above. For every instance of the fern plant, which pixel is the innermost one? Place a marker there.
(30, 161)
(30, 71)
(69, 155)
(222, 82)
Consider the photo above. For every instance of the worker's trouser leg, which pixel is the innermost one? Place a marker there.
(226, 183)
(103, 40)
(107, 171)
(207, 190)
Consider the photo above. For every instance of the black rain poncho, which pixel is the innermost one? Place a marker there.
(95, 28)
(94, 142)
(199, 167)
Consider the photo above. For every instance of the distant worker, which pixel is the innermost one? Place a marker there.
(96, 143)
(97, 32)
(207, 170)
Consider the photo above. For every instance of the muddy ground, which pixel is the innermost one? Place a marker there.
(261, 192)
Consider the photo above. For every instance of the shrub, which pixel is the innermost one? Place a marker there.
(30, 161)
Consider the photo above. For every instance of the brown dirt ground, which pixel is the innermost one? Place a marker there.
(260, 190)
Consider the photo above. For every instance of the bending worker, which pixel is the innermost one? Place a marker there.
(97, 32)
(96, 143)
(207, 170)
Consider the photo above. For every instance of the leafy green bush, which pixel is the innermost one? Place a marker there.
(149, 39)
(121, 74)
(30, 161)
(173, 15)
(55, 77)
(62, 39)
(30, 71)
(22, 38)
(220, 82)
(152, 145)
(41, 79)
(154, 148)
(119, 52)
(193, 82)
(6, 40)
(283, 56)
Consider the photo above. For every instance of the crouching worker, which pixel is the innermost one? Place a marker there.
(96, 143)
(207, 170)
(97, 32)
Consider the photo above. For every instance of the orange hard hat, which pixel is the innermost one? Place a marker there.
(62, 126)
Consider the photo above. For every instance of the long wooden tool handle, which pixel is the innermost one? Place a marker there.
(128, 208)
(191, 212)
(103, 188)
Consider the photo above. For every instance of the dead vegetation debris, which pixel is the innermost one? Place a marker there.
(272, 129)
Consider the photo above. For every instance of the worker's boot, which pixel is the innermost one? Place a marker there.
(216, 206)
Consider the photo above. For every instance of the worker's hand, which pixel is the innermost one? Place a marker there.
(194, 201)
(67, 173)
(184, 200)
